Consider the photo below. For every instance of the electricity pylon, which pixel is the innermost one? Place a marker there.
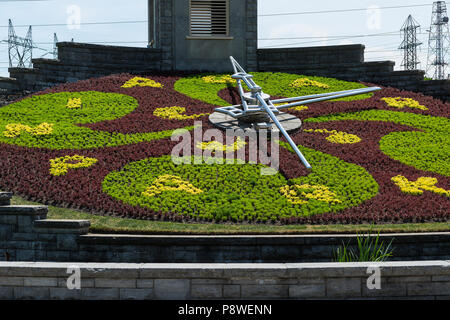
(55, 47)
(20, 49)
(438, 42)
(410, 44)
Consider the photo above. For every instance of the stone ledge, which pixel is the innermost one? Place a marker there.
(46, 61)
(114, 270)
(329, 49)
(23, 70)
(23, 210)
(107, 48)
(76, 227)
(62, 224)
(5, 198)
(236, 240)
(8, 80)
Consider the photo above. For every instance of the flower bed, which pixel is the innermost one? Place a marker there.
(103, 145)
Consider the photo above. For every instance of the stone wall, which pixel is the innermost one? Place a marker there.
(78, 61)
(346, 62)
(26, 235)
(83, 61)
(399, 280)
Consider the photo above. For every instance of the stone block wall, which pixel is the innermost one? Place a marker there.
(78, 61)
(398, 280)
(347, 63)
(26, 235)
(64, 247)
(297, 58)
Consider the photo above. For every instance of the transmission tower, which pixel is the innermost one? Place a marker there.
(410, 44)
(438, 42)
(55, 47)
(20, 49)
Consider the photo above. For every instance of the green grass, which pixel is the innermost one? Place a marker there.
(105, 224)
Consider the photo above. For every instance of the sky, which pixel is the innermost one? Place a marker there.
(316, 29)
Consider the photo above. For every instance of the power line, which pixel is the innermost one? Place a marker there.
(342, 10)
(82, 24)
(388, 34)
(261, 15)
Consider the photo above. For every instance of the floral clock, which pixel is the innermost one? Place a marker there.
(104, 145)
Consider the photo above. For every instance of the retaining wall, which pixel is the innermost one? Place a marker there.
(346, 62)
(77, 61)
(398, 280)
(26, 235)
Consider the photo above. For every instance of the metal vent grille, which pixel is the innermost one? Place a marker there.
(209, 18)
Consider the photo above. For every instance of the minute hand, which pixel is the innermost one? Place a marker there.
(282, 130)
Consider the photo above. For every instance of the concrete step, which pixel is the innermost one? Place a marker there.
(62, 226)
(23, 210)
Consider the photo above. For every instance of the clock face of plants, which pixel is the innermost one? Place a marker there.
(104, 146)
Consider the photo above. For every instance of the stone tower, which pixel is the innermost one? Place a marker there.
(200, 35)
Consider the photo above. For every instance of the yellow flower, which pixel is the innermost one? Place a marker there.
(74, 103)
(417, 187)
(169, 182)
(142, 82)
(338, 136)
(218, 79)
(299, 108)
(15, 129)
(176, 113)
(60, 166)
(305, 82)
(401, 103)
(301, 194)
(217, 146)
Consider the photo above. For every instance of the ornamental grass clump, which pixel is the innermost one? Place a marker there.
(368, 248)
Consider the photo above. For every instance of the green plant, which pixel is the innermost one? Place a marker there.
(238, 192)
(203, 88)
(51, 121)
(368, 248)
(425, 150)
